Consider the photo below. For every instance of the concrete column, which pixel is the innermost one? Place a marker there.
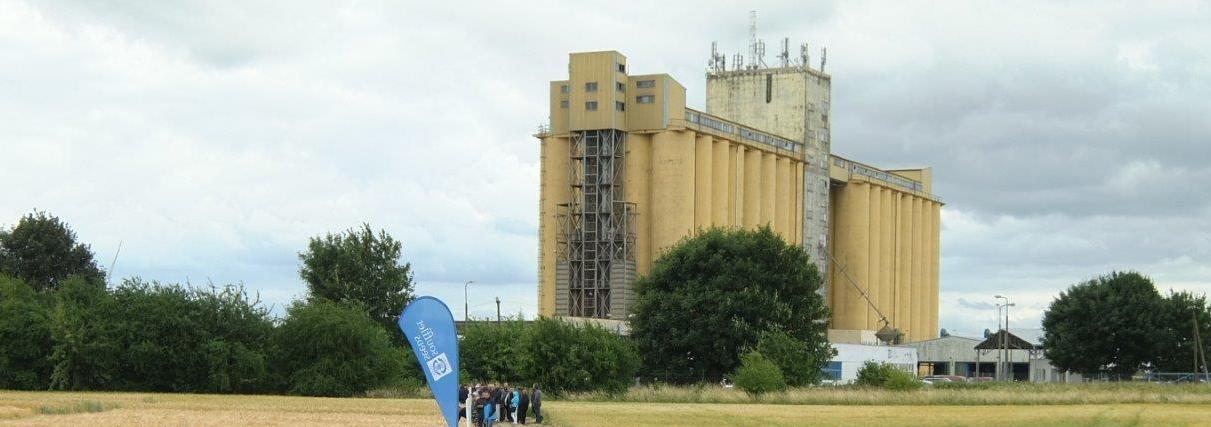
(752, 188)
(554, 188)
(638, 189)
(907, 288)
(918, 260)
(720, 172)
(797, 213)
(769, 184)
(875, 274)
(672, 189)
(935, 253)
(887, 257)
(703, 166)
(782, 197)
(853, 237)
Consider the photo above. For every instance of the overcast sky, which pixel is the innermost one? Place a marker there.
(214, 138)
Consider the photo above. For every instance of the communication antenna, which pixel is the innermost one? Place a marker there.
(738, 61)
(717, 62)
(756, 48)
(786, 55)
(823, 58)
(805, 56)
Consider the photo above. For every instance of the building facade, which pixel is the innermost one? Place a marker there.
(628, 170)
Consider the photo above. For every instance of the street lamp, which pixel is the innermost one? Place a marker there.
(466, 308)
(1005, 337)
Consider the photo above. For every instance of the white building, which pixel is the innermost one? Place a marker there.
(843, 368)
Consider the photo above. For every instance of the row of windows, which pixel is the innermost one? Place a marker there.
(619, 105)
(592, 105)
(620, 86)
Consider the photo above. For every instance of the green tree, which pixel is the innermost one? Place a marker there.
(85, 353)
(800, 366)
(492, 352)
(42, 251)
(363, 267)
(1177, 341)
(1105, 325)
(758, 375)
(325, 348)
(713, 295)
(25, 331)
(565, 357)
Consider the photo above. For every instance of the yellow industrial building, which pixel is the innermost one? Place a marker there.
(627, 170)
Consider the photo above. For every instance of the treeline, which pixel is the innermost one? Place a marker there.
(63, 328)
(142, 336)
(561, 356)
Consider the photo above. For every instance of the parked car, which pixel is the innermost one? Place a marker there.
(944, 378)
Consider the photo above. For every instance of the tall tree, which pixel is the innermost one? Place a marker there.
(362, 267)
(1177, 346)
(1105, 325)
(42, 251)
(711, 296)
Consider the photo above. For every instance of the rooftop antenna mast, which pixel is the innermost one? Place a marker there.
(805, 56)
(786, 52)
(718, 62)
(756, 48)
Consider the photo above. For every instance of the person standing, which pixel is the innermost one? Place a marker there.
(536, 402)
(490, 414)
(523, 405)
(514, 401)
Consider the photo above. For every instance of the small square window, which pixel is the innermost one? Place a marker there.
(590, 87)
(590, 106)
(622, 68)
(563, 88)
(620, 106)
(622, 87)
(563, 104)
(645, 99)
(645, 83)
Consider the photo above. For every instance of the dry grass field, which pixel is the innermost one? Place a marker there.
(113, 409)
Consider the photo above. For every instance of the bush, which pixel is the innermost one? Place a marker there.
(758, 375)
(147, 336)
(330, 349)
(799, 366)
(886, 375)
(564, 357)
(25, 331)
(491, 352)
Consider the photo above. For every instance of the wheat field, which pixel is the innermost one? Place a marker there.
(123, 409)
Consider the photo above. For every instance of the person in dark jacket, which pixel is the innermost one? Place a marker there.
(462, 401)
(536, 403)
(523, 405)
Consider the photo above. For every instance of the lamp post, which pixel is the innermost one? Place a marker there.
(466, 308)
(1005, 338)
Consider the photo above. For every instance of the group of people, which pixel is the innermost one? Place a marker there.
(489, 404)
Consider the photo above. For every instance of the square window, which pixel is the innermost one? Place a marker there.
(620, 106)
(590, 87)
(622, 87)
(590, 106)
(645, 83)
(563, 88)
(563, 104)
(622, 68)
(645, 99)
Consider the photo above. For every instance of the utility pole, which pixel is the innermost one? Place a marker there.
(497, 310)
(1008, 367)
(466, 308)
(1200, 355)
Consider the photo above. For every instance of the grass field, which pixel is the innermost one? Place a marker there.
(113, 409)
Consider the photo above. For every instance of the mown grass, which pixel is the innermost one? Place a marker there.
(961, 394)
(80, 406)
